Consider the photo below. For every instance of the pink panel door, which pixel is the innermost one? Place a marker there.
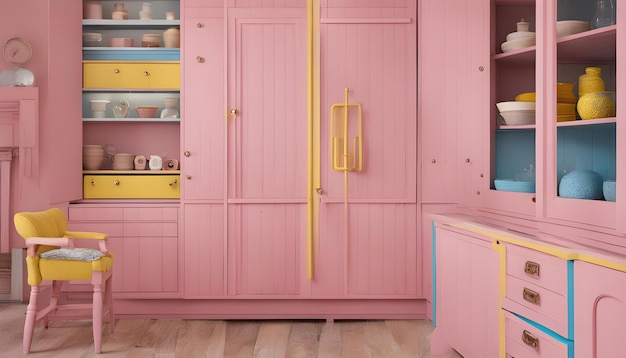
(266, 144)
(203, 103)
(375, 58)
(599, 311)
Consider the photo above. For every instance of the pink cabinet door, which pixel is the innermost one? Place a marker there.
(600, 311)
(466, 295)
(266, 150)
(202, 100)
(370, 249)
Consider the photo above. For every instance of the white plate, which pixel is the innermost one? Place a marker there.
(520, 35)
(513, 45)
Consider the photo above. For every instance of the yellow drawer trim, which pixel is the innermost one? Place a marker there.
(148, 75)
(131, 186)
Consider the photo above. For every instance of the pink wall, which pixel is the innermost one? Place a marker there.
(53, 32)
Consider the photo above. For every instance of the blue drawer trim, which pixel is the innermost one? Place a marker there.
(130, 54)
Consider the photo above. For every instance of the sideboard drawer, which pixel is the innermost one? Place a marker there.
(524, 339)
(541, 269)
(543, 306)
(149, 75)
(131, 186)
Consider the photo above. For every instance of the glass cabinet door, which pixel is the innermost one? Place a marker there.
(581, 113)
(513, 122)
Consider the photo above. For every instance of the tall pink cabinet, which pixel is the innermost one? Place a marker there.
(263, 228)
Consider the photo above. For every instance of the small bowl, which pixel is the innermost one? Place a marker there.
(151, 40)
(608, 190)
(147, 111)
(515, 106)
(92, 39)
(514, 185)
(121, 42)
(570, 27)
(526, 97)
(518, 118)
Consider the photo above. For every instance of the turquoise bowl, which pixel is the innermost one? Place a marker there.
(608, 189)
(581, 184)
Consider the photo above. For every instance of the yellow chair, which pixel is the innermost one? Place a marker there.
(53, 256)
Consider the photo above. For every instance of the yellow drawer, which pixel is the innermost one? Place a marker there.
(109, 74)
(131, 186)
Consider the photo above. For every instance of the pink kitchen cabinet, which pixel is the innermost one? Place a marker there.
(600, 306)
(465, 300)
(143, 238)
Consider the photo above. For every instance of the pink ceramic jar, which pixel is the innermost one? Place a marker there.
(92, 9)
(119, 12)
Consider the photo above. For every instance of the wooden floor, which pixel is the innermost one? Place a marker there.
(205, 338)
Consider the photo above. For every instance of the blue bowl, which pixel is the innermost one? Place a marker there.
(514, 185)
(608, 189)
(581, 184)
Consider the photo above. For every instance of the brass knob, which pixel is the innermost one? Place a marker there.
(467, 160)
(187, 176)
(116, 71)
(233, 111)
(481, 68)
(199, 59)
(434, 161)
(199, 25)
(187, 154)
(320, 191)
(116, 182)
(174, 182)
(145, 73)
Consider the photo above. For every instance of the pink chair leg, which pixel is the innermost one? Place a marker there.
(109, 300)
(31, 315)
(97, 317)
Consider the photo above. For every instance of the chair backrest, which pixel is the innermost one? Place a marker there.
(47, 223)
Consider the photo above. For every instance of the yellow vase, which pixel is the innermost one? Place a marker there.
(591, 81)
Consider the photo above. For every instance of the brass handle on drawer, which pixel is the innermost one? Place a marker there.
(530, 340)
(116, 182)
(174, 182)
(199, 25)
(187, 153)
(116, 71)
(531, 296)
(199, 59)
(531, 268)
(146, 73)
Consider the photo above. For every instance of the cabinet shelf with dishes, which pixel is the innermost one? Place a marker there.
(131, 93)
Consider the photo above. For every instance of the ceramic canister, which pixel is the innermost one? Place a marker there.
(171, 37)
(590, 81)
(92, 9)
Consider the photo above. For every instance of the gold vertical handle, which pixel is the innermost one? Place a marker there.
(530, 340)
(531, 268)
(531, 296)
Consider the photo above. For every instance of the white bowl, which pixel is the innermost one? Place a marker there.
(520, 35)
(515, 106)
(517, 44)
(518, 117)
(570, 27)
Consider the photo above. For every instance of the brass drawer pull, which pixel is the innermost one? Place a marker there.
(531, 296)
(116, 70)
(530, 340)
(116, 182)
(531, 268)
(146, 73)
(174, 182)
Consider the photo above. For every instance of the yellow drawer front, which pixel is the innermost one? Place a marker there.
(131, 187)
(131, 75)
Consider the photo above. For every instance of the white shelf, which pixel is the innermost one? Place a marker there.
(132, 120)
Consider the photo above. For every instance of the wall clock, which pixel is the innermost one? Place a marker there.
(17, 51)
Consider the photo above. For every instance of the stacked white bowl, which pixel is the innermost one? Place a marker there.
(123, 161)
(93, 156)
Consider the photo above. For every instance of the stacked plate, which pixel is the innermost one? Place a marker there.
(519, 39)
(93, 156)
(123, 161)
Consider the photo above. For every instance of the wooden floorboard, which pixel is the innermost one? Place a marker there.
(170, 338)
